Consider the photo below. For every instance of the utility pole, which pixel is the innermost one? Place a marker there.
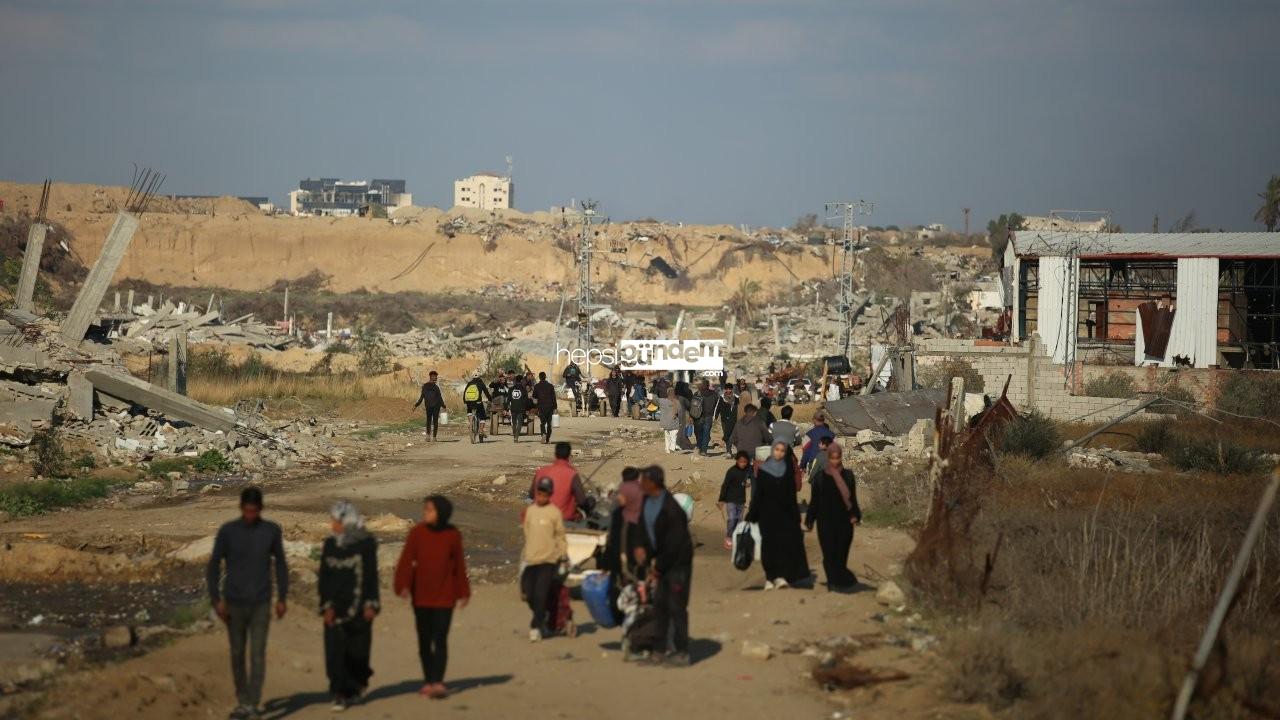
(966, 222)
(848, 211)
(586, 334)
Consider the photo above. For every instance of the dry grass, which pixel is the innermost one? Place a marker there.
(1102, 585)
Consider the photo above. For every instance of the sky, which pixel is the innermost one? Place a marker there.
(708, 111)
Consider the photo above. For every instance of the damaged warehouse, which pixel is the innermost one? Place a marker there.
(1167, 299)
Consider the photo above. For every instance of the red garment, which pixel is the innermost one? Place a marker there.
(432, 568)
(562, 473)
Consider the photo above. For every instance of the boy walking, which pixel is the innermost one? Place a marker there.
(544, 547)
(733, 494)
(432, 400)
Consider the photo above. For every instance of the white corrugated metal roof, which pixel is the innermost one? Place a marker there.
(1037, 243)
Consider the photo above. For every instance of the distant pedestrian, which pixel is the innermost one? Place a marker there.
(252, 549)
(751, 434)
(669, 419)
(705, 401)
(833, 507)
(728, 412)
(733, 494)
(432, 574)
(348, 588)
(518, 402)
(432, 400)
(613, 389)
(568, 494)
(775, 509)
(670, 553)
(544, 397)
(545, 547)
(812, 441)
(572, 377)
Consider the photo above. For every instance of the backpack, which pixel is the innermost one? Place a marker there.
(472, 393)
(695, 407)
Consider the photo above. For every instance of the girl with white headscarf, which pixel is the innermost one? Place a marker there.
(348, 602)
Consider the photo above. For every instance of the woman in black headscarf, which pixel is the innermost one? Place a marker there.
(774, 509)
(348, 587)
(833, 506)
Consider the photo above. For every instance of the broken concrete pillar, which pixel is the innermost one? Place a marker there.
(679, 324)
(96, 284)
(126, 387)
(129, 302)
(24, 299)
(777, 336)
(286, 301)
(178, 362)
(730, 329)
(328, 328)
(115, 308)
(79, 397)
(150, 299)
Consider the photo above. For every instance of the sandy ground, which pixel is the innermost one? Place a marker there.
(494, 670)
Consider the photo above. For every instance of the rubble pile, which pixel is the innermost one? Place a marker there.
(84, 390)
(440, 343)
(142, 322)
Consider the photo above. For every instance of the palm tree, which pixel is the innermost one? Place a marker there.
(741, 301)
(1269, 213)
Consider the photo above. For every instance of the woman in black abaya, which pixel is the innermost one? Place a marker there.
(775, 510)
(833, 507)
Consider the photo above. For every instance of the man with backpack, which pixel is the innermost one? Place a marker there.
(518, 403)
(703, 412)
(474, 395)
(670, 548)
(432, 400)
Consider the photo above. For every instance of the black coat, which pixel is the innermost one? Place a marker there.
(826, 504)
(544, 394)
(348, 580)
(774, 508)
(671, 547)
(431, 397)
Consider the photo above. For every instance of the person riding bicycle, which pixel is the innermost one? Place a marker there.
(474, 395)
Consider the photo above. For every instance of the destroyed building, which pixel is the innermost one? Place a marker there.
(1168, 299)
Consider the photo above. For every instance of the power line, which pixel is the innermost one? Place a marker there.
(847, 212)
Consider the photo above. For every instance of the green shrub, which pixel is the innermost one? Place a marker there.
(1181, 401)
(1032, 435)
(1224, 457)
(1251, 394)
(164, 466)
(511, 362)
(375, 356)
(34, 498)
(1111, 385)
(49, 458)
(212, 461)
(1157, 437)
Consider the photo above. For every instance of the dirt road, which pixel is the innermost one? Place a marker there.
(494, 670)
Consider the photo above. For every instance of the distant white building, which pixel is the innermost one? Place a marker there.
(340, 198)
(486, 190)
(1052, 223)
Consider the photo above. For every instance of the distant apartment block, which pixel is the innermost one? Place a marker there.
(338, 198)
(487, 191)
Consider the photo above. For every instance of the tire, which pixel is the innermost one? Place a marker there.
(474, 423)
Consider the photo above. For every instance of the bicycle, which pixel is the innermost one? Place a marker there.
(473, 421)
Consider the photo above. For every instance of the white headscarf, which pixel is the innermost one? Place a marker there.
(352, 522)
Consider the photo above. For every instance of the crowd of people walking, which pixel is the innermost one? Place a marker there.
(648, 556)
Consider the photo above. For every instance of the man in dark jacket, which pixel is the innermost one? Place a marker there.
(613, 389)
(750, 433)
(707, 400)
(518, 403)
(728, 412)
(544, 396)
(670, 549)
(432, 400)
(248, 545)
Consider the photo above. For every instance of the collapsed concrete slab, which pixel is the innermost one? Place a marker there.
(85, 308)
(890, 413)
(20, 419)
(126, 387)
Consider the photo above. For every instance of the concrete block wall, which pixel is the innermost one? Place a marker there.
(1036, 381)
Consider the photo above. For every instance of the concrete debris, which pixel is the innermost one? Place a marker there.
(1107, 459)
(756, 650)
(117, 636)
(888, 593)
(158, 325)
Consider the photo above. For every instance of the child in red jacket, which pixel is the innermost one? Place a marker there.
(433, 573)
